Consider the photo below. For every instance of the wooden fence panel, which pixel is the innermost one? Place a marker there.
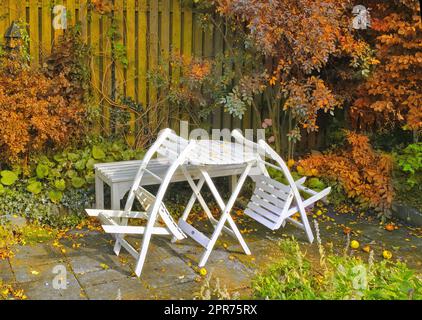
(149, 32)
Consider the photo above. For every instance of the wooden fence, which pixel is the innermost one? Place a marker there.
(149, 30)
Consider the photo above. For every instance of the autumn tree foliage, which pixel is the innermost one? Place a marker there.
(392, 94)
(298, 40)
(364, 174)
(34, 111)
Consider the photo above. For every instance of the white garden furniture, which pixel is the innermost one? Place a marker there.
(171, 147)
(193, 160)
(273, 203)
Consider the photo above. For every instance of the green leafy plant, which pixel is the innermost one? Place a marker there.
(8, 177)
(54, 189)
(409, 160)
(407, 175)
(335, 277)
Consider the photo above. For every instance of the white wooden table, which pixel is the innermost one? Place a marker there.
(119, 177)
(210, 156)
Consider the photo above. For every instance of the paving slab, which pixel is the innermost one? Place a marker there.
(181, 291)
(82, 264)
(44, 290)
(29, 272)
(124, 289)
(6, 274)
(101, 276)
(37, 254)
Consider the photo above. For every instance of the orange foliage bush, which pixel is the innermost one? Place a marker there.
(33, 111)
(364, 174)
(392, 95)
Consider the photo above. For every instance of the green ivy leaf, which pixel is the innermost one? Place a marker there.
(90, 177)
(78, 182)
(73, 156)
(315, 183)
(60, 184)
(8, 177)
(34, 187)
(59, 158)
(80, 165)
(90, 164)
(71, 174)
(55, 196)
(42, 171)
(98, 153)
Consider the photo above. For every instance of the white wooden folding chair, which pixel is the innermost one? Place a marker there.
(273, 203)
(174, 149)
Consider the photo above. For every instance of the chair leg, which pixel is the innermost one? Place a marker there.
(115, 205)
(306, 224)
(145, 244)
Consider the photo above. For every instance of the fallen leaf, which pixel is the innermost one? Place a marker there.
(104, 266)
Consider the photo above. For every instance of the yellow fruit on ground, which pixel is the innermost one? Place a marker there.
(389, 227)
(319, 212)
(354, 244)
(203, 272)
(366, 249)
(387, 254)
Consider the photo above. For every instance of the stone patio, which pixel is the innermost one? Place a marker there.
(94, 272)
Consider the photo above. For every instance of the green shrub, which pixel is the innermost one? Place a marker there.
(408, 175)
(336, 277)
(55, 189)
(409, 161)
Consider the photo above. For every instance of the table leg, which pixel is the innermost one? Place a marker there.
(191, 202)
(99, 193)
(232, 182)
(115, 198)
(197, 195)
(225, 216)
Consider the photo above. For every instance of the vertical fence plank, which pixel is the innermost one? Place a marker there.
(56, 32)
(96, 59)
(197, 36)
(218, 51)
(208, 46)
(12, 11)
(176, 39)
(153, 60)
(142, 51)
(120, 23)
(17, 10)
(4, 19)
(46, 25)
(226, 121)
(106, 86)
(70, 11)
(186, 43)
(33, 32)
(131, 71)
(165, 54)
(83, 19)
